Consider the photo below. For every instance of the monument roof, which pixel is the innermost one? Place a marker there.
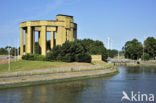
(64, 15)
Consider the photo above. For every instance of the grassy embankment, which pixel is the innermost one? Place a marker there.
(57, 81)
(24, 65)
(3, 55)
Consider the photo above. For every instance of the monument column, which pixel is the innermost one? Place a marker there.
(52, 39)
(39, 41)
(43, 40)
(70, 34)
(26, 40)
(60, 35)
(29, 40)
(33, 38)
(21, 41)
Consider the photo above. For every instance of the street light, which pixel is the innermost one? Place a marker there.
(17, 48)
(9, 49)
(118, 55)
(143, 51)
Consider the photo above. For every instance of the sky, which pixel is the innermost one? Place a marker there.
(121, 20)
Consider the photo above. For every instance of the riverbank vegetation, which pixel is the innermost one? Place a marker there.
(135, 50)
(76, 51)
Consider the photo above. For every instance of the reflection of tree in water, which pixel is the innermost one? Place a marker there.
(66, 92)
(34, 94)
(141, 69)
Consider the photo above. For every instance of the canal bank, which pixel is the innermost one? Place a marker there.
(29, 80)
(137, 63)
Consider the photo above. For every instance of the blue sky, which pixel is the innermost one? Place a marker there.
(121, 20)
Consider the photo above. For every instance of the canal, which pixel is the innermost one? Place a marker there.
(100, 90)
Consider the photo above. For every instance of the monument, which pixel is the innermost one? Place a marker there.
(62, 29)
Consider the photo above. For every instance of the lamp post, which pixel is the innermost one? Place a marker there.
(9, 49)
(17, 48)
(108, 42)
(118, 55)
(143, 51)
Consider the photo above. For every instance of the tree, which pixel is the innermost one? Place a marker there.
(150, 46)
(133, 49)
(13, 51)
(94, 47)
(112, 53)
(145, 56)
(3, 51)
(69, 52)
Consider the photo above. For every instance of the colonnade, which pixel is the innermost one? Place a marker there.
(63, 27)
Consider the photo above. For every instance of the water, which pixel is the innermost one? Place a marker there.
(99, 90)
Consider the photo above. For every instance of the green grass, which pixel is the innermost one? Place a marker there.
(24, 65)
(27, 65)
(152, 60)
(3, 55)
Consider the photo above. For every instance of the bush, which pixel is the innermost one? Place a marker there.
(36, 57)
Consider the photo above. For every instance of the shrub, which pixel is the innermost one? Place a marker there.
(36, 57)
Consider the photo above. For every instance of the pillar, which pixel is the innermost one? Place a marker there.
(70, 35)
(26, 40)
(33, 40)
(75, 32)
(21, 41)
(43, 40)
(52, 39)
(39, 41)
(29, 40)
(60, 35)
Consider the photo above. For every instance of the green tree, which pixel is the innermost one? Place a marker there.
(133, 49)
(13, 51)
(3, 51)
(145, 56)
(69, 52)
(112, 53)
(150, 46)
(94, 47)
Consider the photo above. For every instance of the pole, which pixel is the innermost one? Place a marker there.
(8, 49)
(9, 60)
(15, 55)
(143, 51)
(111, 43)
(17, 49)
(108, 41)
(118, 54)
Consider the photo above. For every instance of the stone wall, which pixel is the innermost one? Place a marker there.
(96, 57)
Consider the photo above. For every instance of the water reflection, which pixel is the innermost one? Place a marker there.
(99, 90)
